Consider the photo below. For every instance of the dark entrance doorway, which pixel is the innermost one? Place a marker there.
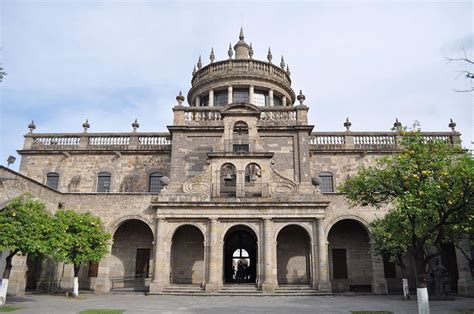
(240, 255)
(33, 272)
(142, 267)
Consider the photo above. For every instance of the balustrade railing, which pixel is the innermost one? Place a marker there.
(99, 141)
(370, 140)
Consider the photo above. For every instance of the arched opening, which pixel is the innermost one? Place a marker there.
(350, 261)
(187, 256)
(253, 180)
(240, 255)
(228, 180)
(131, 256)
(240, 136)
(293, 256)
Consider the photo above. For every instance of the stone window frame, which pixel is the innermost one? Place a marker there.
(327, 174)
(154, 173)
(224, 93)
(50, 175)
(97, 180)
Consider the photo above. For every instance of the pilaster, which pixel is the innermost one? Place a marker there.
(269, 284)
(214, 258)
(379, 284)
(160, 273)
(323, 271)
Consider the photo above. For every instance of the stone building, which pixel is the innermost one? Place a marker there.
(238, 196)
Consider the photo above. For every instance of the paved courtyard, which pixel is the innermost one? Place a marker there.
(49, 304)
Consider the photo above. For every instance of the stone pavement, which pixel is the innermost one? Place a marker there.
(50, 304)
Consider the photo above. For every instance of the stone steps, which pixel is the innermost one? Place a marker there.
(298, 290)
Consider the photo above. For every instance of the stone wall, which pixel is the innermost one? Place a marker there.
(293, 254)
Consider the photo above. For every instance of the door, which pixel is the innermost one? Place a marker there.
(142, 267)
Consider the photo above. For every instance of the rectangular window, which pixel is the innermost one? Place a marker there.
(93, 269)
(260, 98)
(220, 98)
(241, 95)
(327, 185)
(155, 183)
(277, 101)
(103, 182)
(339, 263)
(241, 148)
(52, 180)
(205, 101)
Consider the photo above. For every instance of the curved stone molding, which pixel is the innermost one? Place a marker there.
(281, 184)
(199, 184)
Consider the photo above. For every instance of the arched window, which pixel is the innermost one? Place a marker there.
(155, 185)
(52, 180)
(241, 137)
(327, 184)
(103, 182)
(228, 180)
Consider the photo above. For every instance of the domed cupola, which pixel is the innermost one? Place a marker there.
(240, 79)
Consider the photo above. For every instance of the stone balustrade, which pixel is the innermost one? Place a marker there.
(97, 141)
(241, 67)
(371, 140)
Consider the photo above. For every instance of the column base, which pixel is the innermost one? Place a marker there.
(269, 287)
(156, 287)
(379, 286)
(211, 287)
(466, 287)
(102, 286)
(324, 286)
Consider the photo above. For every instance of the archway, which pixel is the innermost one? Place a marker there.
(187, 256)
(240, 255)
(293, 256)
(350, 261)
(131, 256)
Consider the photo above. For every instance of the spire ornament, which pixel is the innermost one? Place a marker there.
(397, 125)
(212, 57)
(32, 126)
(86, 125)
(231, 51)
(301, 98)
(347, 125)
(250, 51)
(282, 63)
(135, 125)
(180, 98)
(452, 125)
(269, 55)
(288, 70)
(199, 64)
(241, 35)
(194, 70)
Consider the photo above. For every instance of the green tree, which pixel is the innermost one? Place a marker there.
(78, 238)
(428, 190)
(24, 227)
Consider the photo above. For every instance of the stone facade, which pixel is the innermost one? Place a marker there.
(224, 197)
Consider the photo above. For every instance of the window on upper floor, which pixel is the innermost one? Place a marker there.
(327, 184)
(260, 98)
(220, 98)
(52, 180)
(277, 101)
(103, 182)
(204, 101)
(155, 184)
(241, 95)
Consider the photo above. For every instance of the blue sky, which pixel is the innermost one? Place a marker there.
(114, 61)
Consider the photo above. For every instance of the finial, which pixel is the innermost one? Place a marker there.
(452, 125)
(231, 51)
(397, 125)
(288, 70)
(180, 98)
(347, 125)
(282, 63)
(32, 126)
(301, 98)
(135, 125)
(199, 64)
(86, 125)
(241, 35)
(194, 70)
(212, 56)
(269, 55)
(250, 51)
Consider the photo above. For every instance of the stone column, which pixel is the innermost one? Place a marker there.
(240, 183)
(214, 260)
(251, 91)
(211, 98)
(269, 267)
(102, 282)
(270, 97)
(198, 101)
(160, 275)
(283, 101)
(379, 284)
(229, 95)
(465, 281)
(323, 270)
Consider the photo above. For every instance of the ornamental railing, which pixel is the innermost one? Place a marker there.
(245, 67)
(98, 141)
(371, 140)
